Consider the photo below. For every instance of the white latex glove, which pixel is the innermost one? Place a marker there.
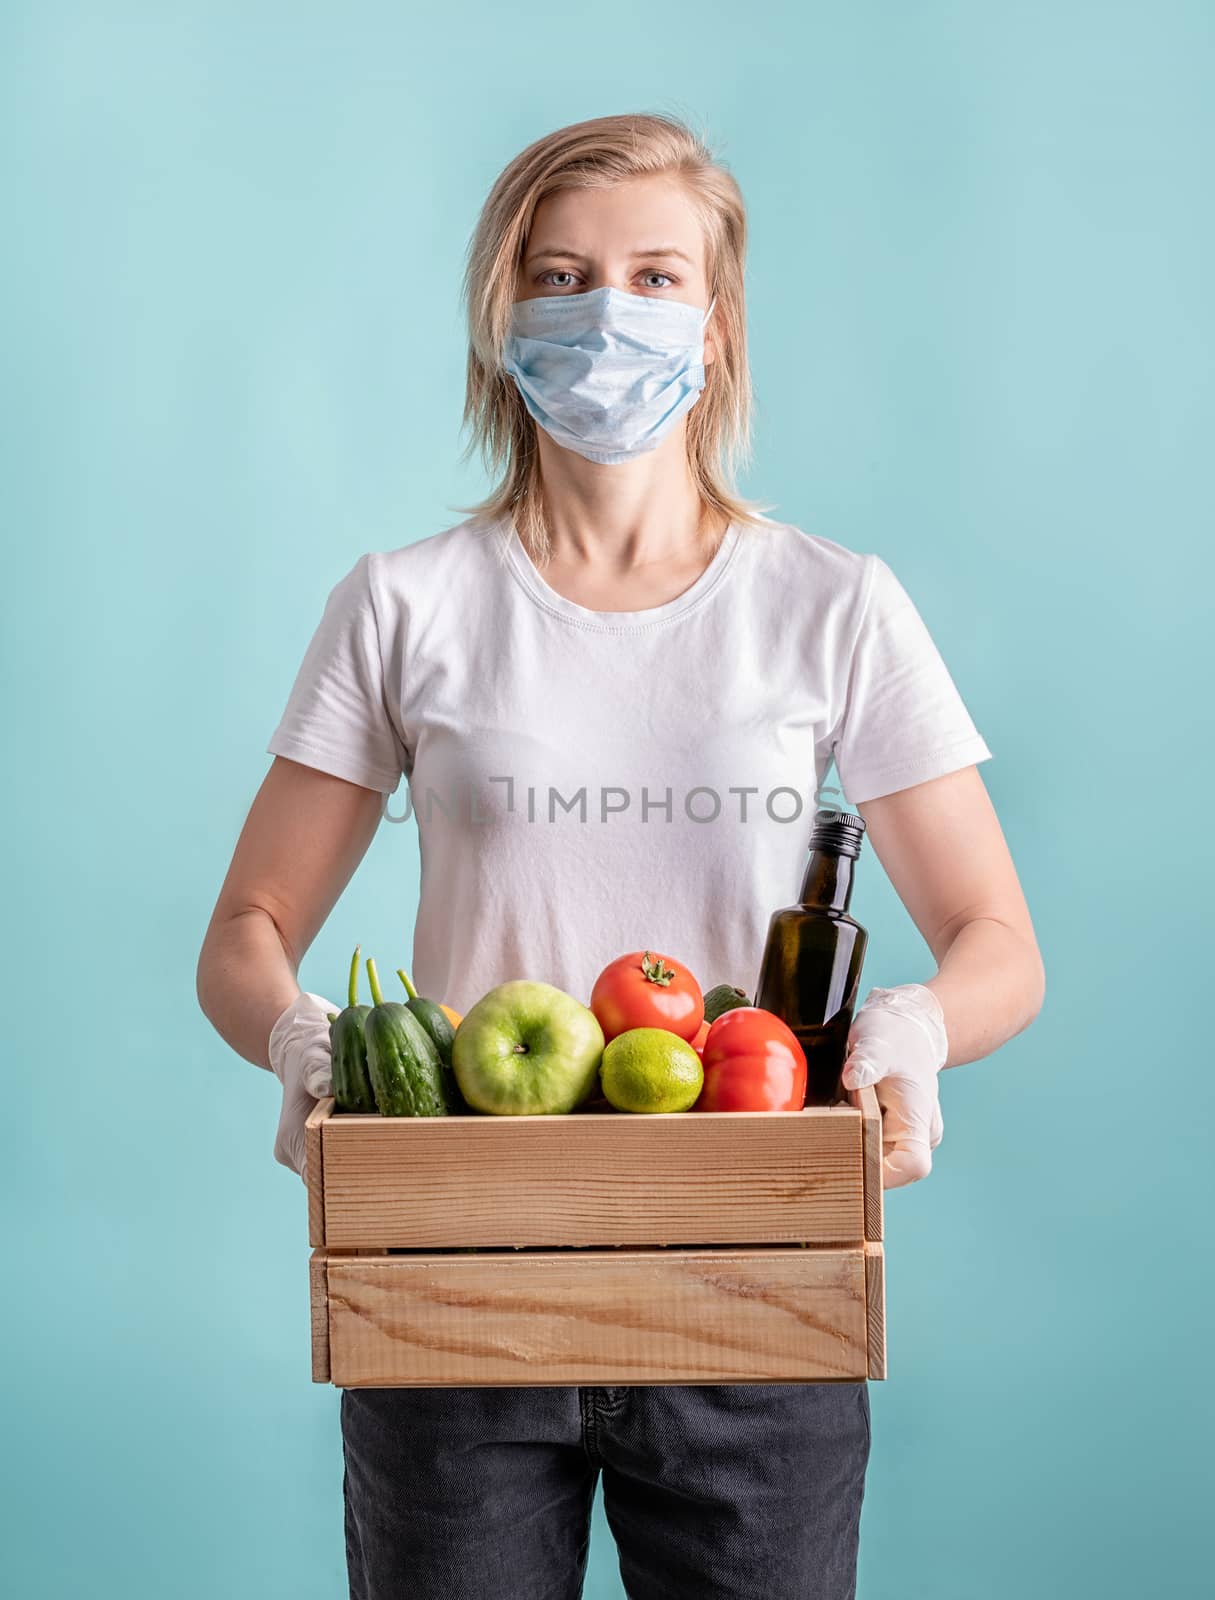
(299, 1055)
(897, 1043)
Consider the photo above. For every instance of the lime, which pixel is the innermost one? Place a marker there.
(651, 1069)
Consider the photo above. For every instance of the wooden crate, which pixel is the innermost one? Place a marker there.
(730, 1247)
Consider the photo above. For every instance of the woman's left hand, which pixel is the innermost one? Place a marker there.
(897, 1043)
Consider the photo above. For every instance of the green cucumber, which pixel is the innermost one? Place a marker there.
(442, 1035)
(402, 1062)
(432, 1017)
(725, 997)
(348, 1047)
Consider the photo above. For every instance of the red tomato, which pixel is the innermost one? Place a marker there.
(646, 990)
(752, 1062)
(698, 1043)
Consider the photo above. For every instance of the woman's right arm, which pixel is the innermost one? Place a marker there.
(305, 834)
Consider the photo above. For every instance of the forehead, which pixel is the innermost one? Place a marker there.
(635, 215)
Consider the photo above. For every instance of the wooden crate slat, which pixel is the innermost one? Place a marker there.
(628, 1316)
(875, 1295)
(867, 1102)
(321, 1112)
(726, 1178)
(319, 1285)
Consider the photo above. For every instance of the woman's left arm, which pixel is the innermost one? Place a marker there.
(942, 847)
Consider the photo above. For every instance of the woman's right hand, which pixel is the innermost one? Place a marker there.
(305, 834)
(301, 1060)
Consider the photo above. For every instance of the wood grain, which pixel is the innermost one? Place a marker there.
(867, 1102)
(315, 1167)
(588, 1179)
(319, 1290)
(875, 1296)
(598, 1317)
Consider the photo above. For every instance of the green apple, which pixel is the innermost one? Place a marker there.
(527, 1049)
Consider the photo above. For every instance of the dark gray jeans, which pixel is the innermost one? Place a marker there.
(746, 1490)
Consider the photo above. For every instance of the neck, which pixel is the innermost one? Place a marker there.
(828, 881)
(634, 514)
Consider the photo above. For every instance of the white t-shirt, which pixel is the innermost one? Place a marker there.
(588, 783)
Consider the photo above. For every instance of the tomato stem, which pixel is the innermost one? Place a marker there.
(656, 970)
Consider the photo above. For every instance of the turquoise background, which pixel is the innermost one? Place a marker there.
(980, 301)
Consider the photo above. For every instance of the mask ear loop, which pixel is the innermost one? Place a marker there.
(709, 312)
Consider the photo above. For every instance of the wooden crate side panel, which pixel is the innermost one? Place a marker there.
(867, 1102)
(319, 1296)
(314, 1166)
(734, 1178)
(629, 1317)
(875, 1297)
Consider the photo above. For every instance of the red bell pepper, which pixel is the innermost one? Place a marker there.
(752, 1062)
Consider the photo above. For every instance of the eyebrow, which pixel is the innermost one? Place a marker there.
(634, 255)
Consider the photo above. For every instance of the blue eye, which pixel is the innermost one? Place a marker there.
(565, 272)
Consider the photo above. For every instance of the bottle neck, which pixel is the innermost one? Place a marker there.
(827, 885)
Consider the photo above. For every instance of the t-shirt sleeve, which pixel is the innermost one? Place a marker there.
(339, 717)
(903, 720)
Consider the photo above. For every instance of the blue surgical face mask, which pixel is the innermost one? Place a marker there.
(606, 373)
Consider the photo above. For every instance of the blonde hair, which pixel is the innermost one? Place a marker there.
(596, 154)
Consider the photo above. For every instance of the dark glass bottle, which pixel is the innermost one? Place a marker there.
(813, 956)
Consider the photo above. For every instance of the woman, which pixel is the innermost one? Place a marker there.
(615, 690)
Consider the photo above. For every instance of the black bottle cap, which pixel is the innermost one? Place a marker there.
(840, 832)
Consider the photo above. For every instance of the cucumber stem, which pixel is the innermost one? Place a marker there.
(374, 981)
(409, 988)
(331, 1016)
(353, 987)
